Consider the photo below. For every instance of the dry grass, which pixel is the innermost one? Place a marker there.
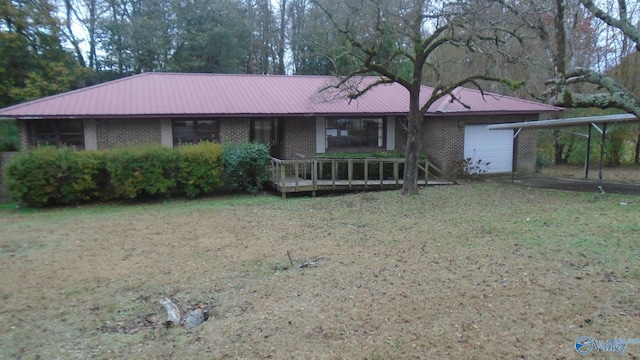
(469, 271)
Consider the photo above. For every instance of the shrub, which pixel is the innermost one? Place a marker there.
(51, 176)
(469, 167)
(246, 166)
(144, 170)
(200, 168)
(9, 139)
(542, 160)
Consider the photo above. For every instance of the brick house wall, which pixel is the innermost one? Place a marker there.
(235, 130)
(113, 133)
(443, 140)
(443, 136)
(299, 137)
(23, 134)
(527, 150)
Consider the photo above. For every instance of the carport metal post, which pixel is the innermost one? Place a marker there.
(514, 154)
(586, 157)
(604, 135)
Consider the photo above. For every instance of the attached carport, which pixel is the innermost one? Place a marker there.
(600, 123)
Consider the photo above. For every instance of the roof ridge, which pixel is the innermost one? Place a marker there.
(239, 75)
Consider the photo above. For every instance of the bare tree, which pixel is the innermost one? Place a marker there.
(399, 41)
(565, 86)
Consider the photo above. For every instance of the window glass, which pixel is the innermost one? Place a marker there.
(262, 131)
(43, 133)
(194, 131)
(207, 130)
(57, 133)
(183, 132)
(71, 133)
(350, 133)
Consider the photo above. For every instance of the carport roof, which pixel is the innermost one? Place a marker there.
(565, 122)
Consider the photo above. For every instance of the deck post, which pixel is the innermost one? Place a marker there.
(296, 173)
(426, 172)
(283, 181)
(366, 173)
(350, 171)
(381, 172)
(395, 172)
(333, 174)
(314, 178)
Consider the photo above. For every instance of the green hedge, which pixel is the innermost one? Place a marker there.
(246, 166)
(200, 168)
(141, 171)
(49, 176)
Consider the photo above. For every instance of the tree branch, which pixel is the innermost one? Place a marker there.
(621, 24)
(442, 91)
(616, 96)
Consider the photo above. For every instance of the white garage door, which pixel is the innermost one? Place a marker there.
(489, 146)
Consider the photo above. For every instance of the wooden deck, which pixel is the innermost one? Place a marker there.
(327, 174)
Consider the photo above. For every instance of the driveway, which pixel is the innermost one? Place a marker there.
(578, 185)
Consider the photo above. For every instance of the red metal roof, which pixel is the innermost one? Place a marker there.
(173, 94)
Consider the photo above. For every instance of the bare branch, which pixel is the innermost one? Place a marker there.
(442, 91)
(622, 24)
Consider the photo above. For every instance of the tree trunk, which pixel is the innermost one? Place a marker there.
(412, 158)
(558, 149)
(414, 143)
(282, 37)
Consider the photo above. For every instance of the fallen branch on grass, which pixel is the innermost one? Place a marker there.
(304, 264)
(311, 262)
(173, 313)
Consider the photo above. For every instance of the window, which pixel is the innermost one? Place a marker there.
(354, 133)
(264, 131)
(56, 132)
(194, 131)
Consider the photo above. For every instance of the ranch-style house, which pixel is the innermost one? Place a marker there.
(300, 116)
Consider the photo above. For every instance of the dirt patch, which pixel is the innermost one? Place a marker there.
(469, 271)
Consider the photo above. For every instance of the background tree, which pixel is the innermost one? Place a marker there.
(570, 85)
(400, 41)
(34, 63)
(210, 37)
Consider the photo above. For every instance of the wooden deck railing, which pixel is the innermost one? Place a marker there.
(315, 174)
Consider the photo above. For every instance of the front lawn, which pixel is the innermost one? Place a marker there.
(471, 271)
